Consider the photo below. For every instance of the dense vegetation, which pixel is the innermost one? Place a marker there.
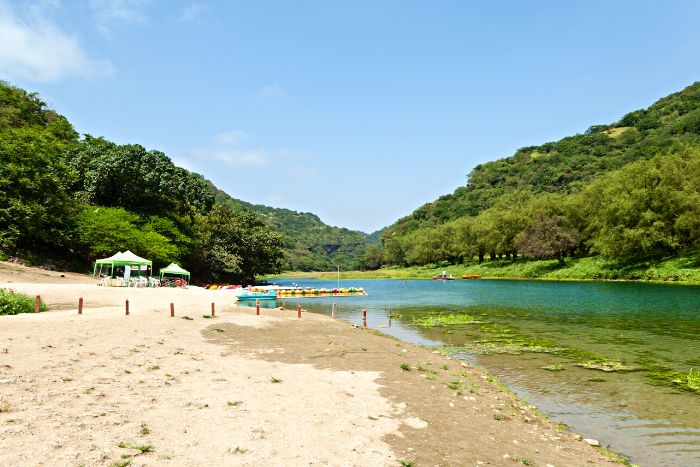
(629, 191)
(14, 303)
(70, 198)
(309, 244)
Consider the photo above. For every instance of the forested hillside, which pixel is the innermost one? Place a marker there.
(626, 190)
(72, 200)
(309, 244)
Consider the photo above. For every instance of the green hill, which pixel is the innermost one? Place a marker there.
(309, 244)
(567, 165)
(626, 190)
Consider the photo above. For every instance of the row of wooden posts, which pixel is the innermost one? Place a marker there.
(37, 308)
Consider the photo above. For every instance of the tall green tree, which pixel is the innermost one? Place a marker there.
(234, 246)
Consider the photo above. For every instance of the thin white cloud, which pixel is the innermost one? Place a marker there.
(192, 11)
(240, 157)
(231, 137)
(107, 13)
(33, 48)
(272, 91)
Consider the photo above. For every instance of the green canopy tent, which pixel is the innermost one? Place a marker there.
(175, 270)
(120, 259)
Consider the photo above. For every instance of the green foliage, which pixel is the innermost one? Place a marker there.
(103, 231)
(232, 244)
(13, 303)
(90, 198)
(35, 208)
(128, 176)
(647, 209)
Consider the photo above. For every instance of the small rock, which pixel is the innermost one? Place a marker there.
(592, 442)
(416, 423)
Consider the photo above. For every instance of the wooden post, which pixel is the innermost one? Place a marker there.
(172, 310)
(80, 306)
(127, 306)
(213, 313)
(333, 312)
(299, 310)
(37, 304)
(257, 306)
(364, 317)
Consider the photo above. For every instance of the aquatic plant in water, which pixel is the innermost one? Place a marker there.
(444, 320)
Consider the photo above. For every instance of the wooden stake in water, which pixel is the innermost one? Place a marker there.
(364, 317)
(299, 311)
(172, 310)
(80, 306)
(213, 312)
(37, 304)
(126, 304)
(257, 306)
(333, 311)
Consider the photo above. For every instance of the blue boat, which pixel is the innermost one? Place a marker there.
(257, 295)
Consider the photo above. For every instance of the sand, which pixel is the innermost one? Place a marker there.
(241, 389)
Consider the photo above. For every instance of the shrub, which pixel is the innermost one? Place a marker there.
(13, 303)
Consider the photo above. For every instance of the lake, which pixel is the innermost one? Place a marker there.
(551, 342)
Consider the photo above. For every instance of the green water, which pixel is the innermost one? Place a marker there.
(648, 329)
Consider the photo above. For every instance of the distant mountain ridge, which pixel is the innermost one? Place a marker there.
(310, 244)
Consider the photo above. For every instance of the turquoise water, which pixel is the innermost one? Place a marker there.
(639, 325)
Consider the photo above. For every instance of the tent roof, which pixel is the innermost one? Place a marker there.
(124, 258)
(173, 268)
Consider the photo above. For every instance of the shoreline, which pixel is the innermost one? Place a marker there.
(82, 385)
(361, 275)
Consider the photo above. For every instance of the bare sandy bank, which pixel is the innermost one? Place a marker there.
(242, 389)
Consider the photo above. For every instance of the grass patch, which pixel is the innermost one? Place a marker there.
(455, 385)
(14, 303)
(682, 268)
(553, 368)
(405, 367)
(405, 463)
(5, 408)
(145, 430)
(275, 380)
(143, 448)
(187, 318)
(234, 403)
(218, 330)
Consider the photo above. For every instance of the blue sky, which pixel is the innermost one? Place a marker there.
(357, 111)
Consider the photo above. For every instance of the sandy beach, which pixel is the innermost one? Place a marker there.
(103, 388)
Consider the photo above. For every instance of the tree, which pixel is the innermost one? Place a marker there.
(234, 245)
(103, 231)
(647, 209)
(35, 208)
(128, 176)
(548, 236)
